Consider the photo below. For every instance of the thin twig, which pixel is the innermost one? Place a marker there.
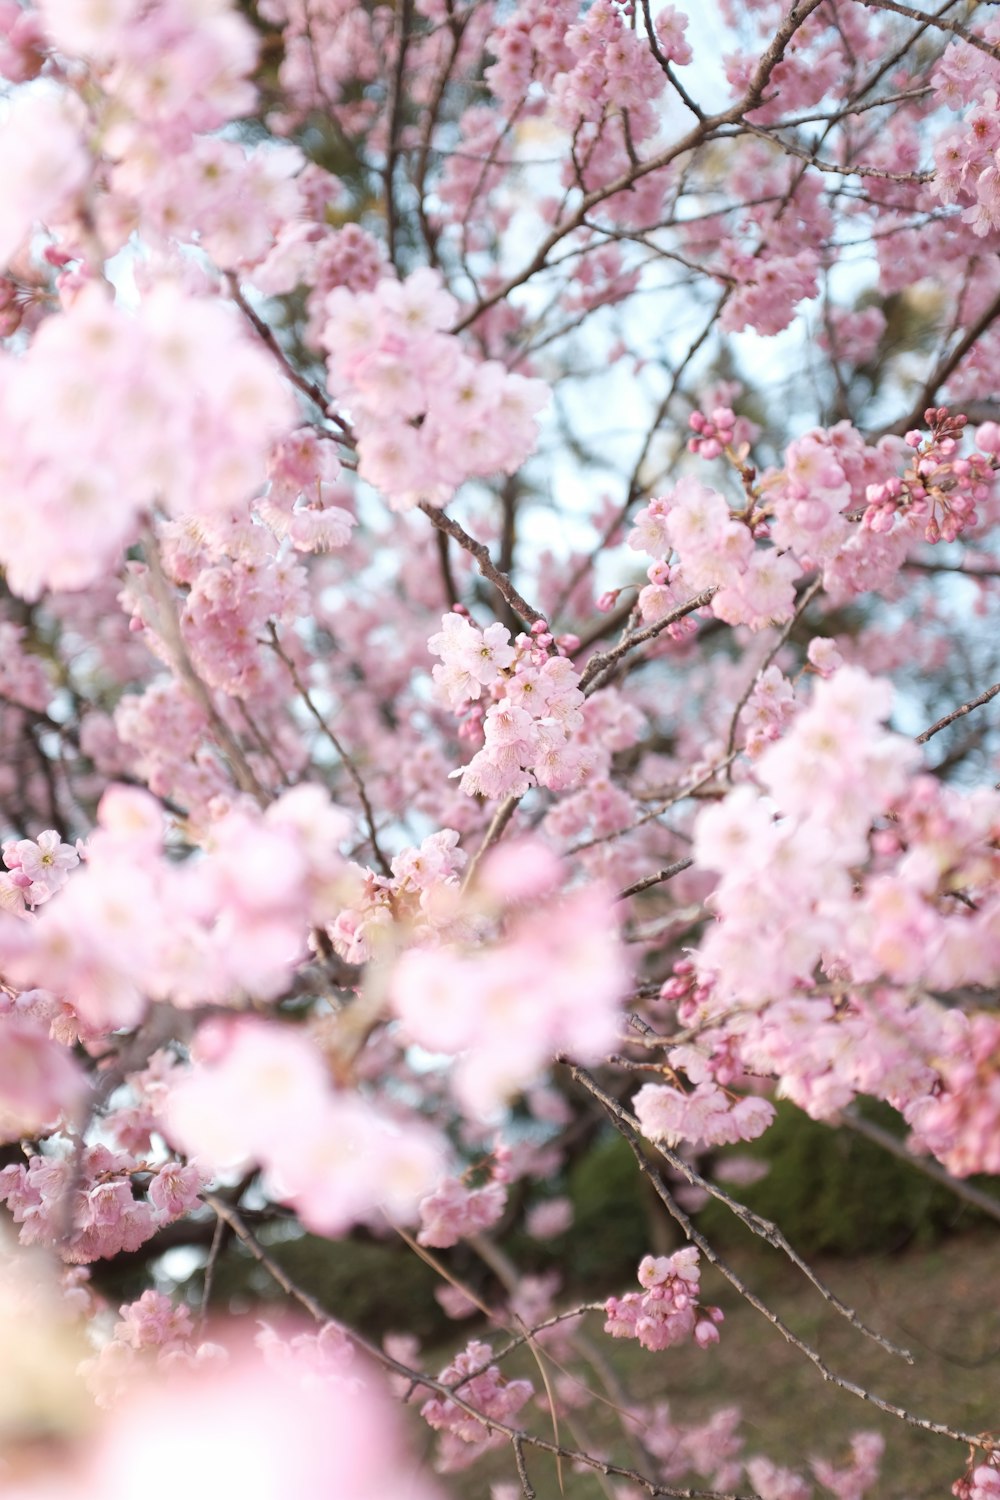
(666, 874)
(167, 626)
(915, 15)
(348, 763)
(308, 387)
(958, 713)
(213, 1255)
(751, 100)
(493, 835)
(522, 1473)
(597, 666)
(985, 1202)
(945, 367)
(395, 115)
(744, 699)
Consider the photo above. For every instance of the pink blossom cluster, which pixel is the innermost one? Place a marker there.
(707, 1115)
(46, 162)
(307, 252)
(455, 1211)
(940, 487)
(421, 895)
(768, 710)
(549, 982)
(530, 49)
(94, 1194)
(711, 1449)
(823, 483)
(170, 406)
(715, 549)
(670, 24)
(483, 1386)
(41, 1082)
(981, 1483)
(300, 502)
(131, 926)
(177, 68)
(259, 924)
(530, 729)
(152, 1325)
(965, 153)
(900, 918)
(428, 416)
(857, 1477)
(959, 1121)
(236, 1417)
(613, 71)
(324, 53)
(259, 1092)
(667, 1312)
(767, 289)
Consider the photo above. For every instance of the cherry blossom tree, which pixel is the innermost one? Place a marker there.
(499, 591)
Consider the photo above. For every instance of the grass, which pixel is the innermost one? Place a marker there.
(941, 1303)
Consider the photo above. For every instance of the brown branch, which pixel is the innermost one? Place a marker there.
(915, 415)
(985, 1202)
(958, 713)
(493, 835)
(167, 626)
(627, 1126)
(657, 879)
(744, 699)
(522, 1472)
(880, 174)
(447, 576)
(308, 387)
(601, 661)
(395, 113)
(973, 40)
(664, 63)
(483, 560)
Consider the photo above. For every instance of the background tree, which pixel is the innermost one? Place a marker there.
(497, 532)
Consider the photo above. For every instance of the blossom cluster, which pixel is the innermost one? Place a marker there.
(483, 1386)
(667, 1311)
(705, 1115)
(260, 1093)
(454, 1210)
(428, 416)
(88, 449)
(529, 729)
(550, 982)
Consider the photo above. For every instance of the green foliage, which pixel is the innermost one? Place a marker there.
(833, 1192)
(612, 1227)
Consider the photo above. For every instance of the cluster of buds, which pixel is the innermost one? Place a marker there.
(667, 1311)
(939, 485)
(685, 990)
(714, 433)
